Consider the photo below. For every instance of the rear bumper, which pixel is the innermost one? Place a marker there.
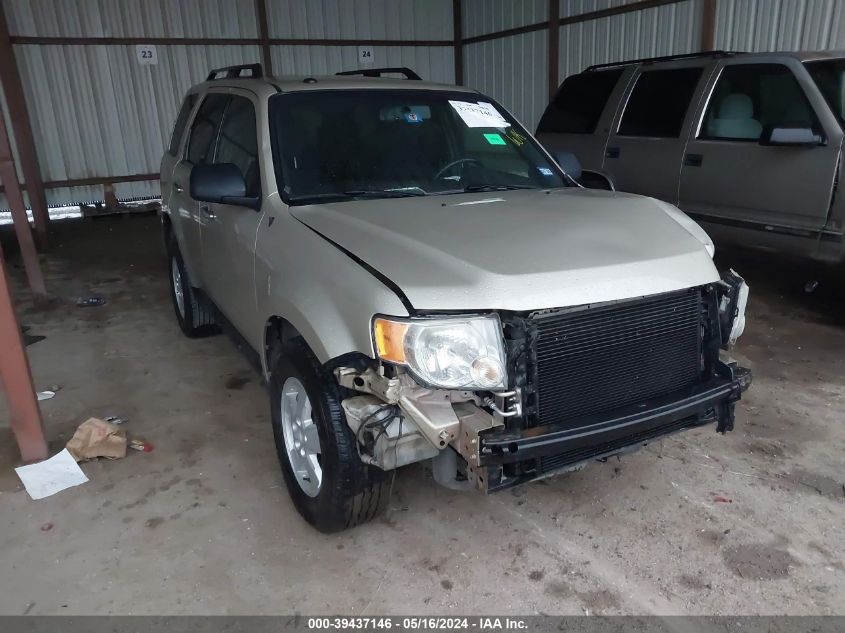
(560, 446)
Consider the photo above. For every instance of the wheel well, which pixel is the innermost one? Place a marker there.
(277, 331)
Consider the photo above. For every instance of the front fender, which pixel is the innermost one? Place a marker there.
(322, 292)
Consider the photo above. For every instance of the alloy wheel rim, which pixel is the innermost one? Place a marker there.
(178, 292)
(302, 441)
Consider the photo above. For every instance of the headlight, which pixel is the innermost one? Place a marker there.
(732, 302)
(451, 353)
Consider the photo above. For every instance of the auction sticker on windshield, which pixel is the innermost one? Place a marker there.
(481, 114)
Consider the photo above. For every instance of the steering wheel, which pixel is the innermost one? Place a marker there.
(455, 163)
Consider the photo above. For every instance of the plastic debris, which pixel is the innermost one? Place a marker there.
(138, 444)
(113, 419)
(45, 395)
(90, 302)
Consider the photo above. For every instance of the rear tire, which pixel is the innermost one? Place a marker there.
(335, 490)
(194, 313)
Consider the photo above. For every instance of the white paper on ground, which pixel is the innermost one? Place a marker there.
(51, 476)
(481, 114)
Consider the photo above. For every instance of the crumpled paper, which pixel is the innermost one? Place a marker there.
(97, 438)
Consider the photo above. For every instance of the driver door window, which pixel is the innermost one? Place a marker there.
(204, 129)
(238, 143)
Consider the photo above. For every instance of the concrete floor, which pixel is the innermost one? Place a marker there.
(203, 524)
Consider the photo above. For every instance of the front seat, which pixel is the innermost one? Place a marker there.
(736, 119)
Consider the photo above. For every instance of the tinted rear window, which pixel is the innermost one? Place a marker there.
(659, 102)
(578, 104)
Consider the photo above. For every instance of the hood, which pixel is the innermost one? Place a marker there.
(520, 250)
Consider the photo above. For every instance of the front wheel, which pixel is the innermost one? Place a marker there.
(329, 484)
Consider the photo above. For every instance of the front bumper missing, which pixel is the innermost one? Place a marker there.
(540, 450)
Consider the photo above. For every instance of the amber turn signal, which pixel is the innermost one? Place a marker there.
(390, 340)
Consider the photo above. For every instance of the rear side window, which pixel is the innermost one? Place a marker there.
(659, 102)
(204, 129)
(752, 97)
(579, 102)
(238, 143)
(181, 122)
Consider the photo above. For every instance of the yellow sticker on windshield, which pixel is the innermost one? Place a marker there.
(495, 139)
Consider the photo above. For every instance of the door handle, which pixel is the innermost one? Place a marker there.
(693, 160)
(611, 152)
(178, 188)
(206, 211)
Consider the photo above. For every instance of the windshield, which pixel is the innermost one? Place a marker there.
(829, 76)
(353, 144)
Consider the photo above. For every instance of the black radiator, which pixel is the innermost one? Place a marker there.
(597, 359)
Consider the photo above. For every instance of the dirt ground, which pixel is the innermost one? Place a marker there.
(749, 523)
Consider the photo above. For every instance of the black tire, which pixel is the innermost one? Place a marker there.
(198, 317)
(350, 492)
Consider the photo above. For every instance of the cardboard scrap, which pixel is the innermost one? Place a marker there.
(97, 438)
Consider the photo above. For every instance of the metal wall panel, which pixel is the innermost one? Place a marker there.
(96, 112)
(666, 30)
(780, 25)
(431, 63)
(360, 19)
(513, 70)
(132, 18)
(487, 16)
(577, 7)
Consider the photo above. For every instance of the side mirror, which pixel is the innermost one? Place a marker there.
(222, 183)
(794, 136)
(569, 163)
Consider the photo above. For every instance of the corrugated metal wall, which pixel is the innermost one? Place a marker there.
(364, 20)
(665, 30)
(97, 112)
(360, 19)
(512, 69)
(131, 18)
(780, 25)
(488, 16)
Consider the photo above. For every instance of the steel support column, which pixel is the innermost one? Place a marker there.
(264, 37)
(554, 47)
(22, 130)
(708, 25)
(9, 178)
(458, 39)
(16, 379)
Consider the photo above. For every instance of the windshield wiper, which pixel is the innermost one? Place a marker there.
(313, 197)
(495, 187)
(357, 193)
(385, 193)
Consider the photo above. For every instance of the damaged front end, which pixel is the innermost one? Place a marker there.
(577, 384)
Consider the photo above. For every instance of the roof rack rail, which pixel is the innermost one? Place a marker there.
(234, 72)
(378, 72)
(667, 58)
